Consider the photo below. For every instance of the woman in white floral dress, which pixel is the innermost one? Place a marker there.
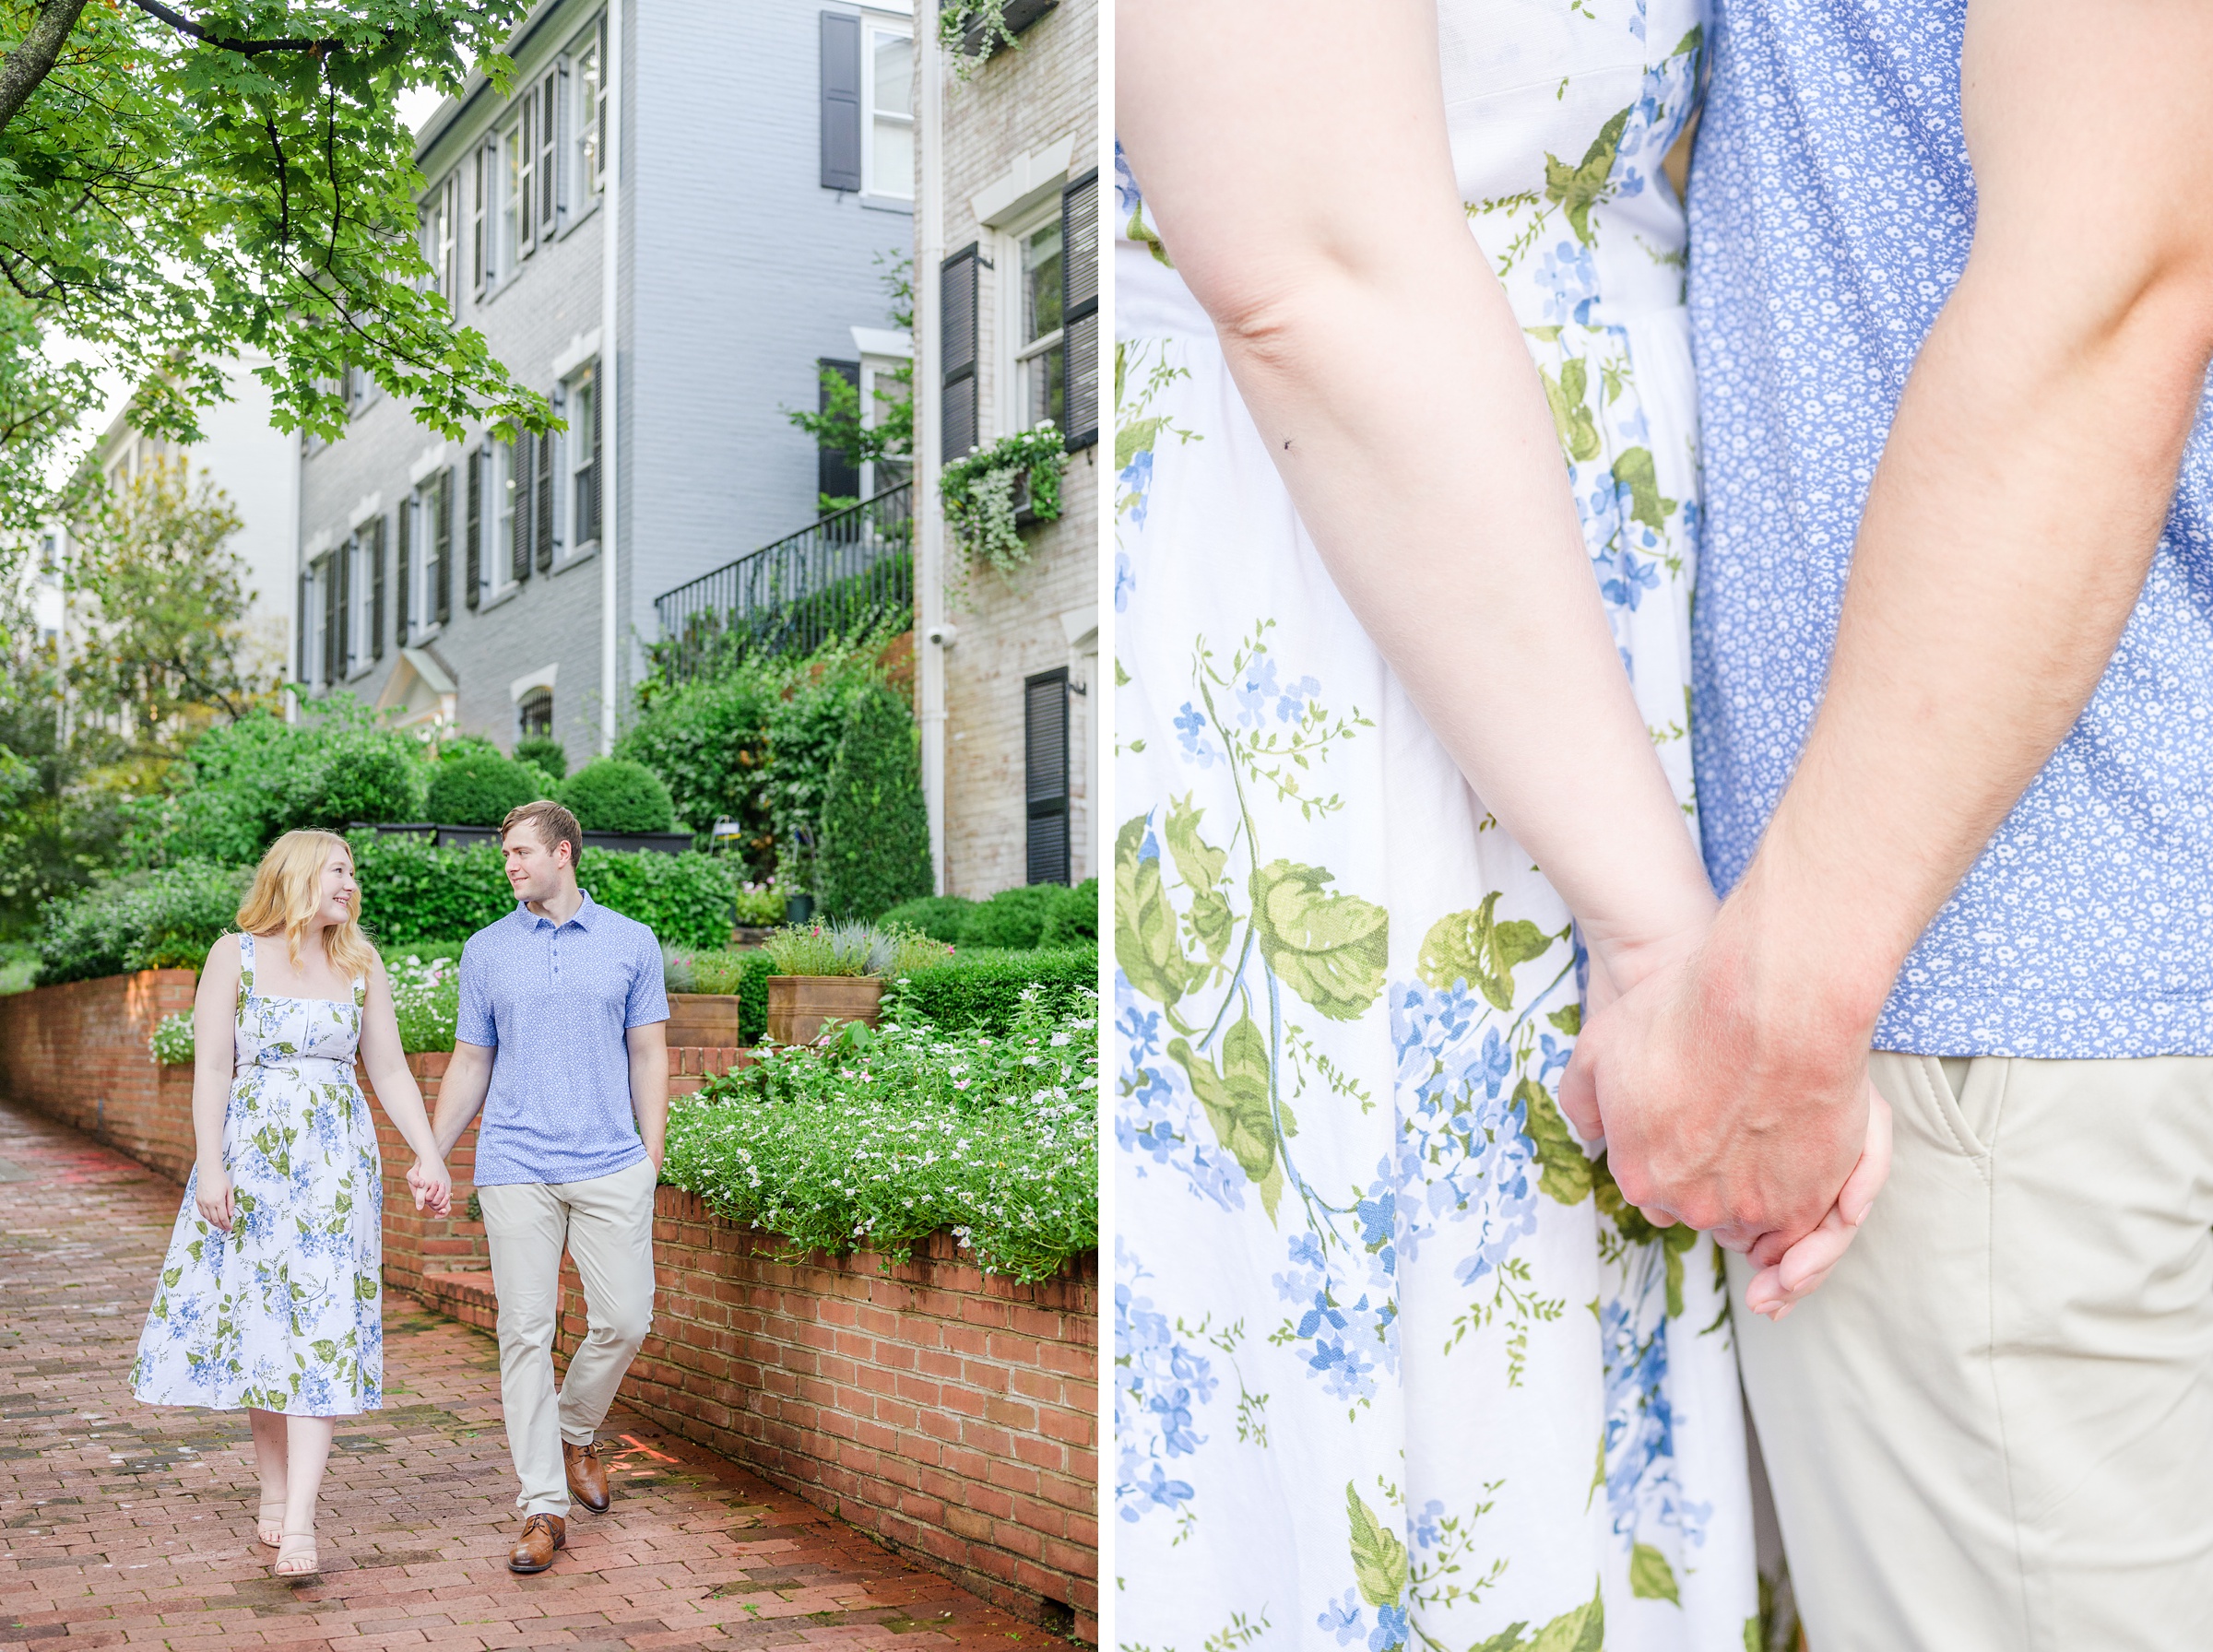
(270, 1297)
(1396, 1365)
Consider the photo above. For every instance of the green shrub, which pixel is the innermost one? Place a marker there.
(1074, 919)
(19, 966)
(166, 918)
(874, 849)
(684, 899)
(1013, 918)
(244, 782)
(543, 753)
(426, 1002)
(708, 741)
(412, 893)
(822, 949)
(805, 725)
(984, 990)
(941, 917)
(760, 905)
(613, 794)
(476, 787)
(991, 1137)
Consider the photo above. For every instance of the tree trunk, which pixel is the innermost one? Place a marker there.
(32, 61)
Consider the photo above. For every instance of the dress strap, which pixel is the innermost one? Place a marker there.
(245, 972)
(360, 992)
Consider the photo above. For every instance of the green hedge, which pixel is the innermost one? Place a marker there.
(983, 990)
(1036, 914)
(613, 794)
(162, 919)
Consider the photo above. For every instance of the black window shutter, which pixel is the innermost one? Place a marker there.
(1044, 766)
(475, 549)
(518, 523)
(835, 473)
(441, 545)
(956, 308)
(1080, 270)
(841, 100)
(346, 608)
(331, 564)
(526, 182)
(305, 620)
(377, 589)
(542, 512)
(407, 509)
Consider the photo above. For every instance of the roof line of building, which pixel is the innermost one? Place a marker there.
(448, 114)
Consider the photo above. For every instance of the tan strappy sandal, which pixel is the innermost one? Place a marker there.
(296, 1557)
(268, 1526)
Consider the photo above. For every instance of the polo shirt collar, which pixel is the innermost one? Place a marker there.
(583, 917)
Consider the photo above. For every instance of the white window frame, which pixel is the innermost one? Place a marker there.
(496, 555)
(874, 25)
(439, 239)
(483, 221)
(873, 368)
(572, 457)
(421, 611)
(1014, 354)
(508, 175)
(318, 576)
(586, 178)
(358, 611)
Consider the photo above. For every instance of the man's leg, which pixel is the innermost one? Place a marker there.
(1992, 1426)
(526, 1225)
(611, 1236)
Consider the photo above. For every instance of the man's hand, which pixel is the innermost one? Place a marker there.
(1731, 1098)
(431, 1187)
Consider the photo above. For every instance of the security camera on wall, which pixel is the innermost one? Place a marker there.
(943, 635)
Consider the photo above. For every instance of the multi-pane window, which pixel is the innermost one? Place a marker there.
(581, 448)
(513, 176)
(415, 604)
(440, 211)
(588, 115)
(534, 714)
(528, 171)
(1040, 361)
(499, 486)
(888, 66)
(480, 220)
(358, 582)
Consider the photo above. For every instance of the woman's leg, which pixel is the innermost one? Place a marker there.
(270, 1461)
(307, 1449)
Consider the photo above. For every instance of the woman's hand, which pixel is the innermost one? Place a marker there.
(212, 1195)
(1776, 1291)
(432, 1187)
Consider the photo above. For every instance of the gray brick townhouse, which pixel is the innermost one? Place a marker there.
(669, 226)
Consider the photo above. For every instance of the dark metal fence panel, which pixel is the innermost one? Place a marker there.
(849, 572)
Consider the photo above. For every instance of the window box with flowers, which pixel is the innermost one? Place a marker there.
(995, 491)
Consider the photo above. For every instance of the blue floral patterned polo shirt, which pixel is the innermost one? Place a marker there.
(1830, 212)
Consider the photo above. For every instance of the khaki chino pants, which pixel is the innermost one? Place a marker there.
(607, 1224)
(1992, 1429)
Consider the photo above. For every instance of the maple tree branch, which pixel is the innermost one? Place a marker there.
(184, 25)
(33, 58)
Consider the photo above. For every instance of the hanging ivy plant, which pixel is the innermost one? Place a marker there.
(979, 495)
(967, 34)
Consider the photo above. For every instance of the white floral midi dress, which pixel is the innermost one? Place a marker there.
(1395, 1365)
(285, 1312)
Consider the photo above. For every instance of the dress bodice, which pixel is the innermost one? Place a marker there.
(290, 1032)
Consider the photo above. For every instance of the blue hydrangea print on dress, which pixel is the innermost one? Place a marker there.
(285, 1313)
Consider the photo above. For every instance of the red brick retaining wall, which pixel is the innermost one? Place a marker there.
(951, 1413)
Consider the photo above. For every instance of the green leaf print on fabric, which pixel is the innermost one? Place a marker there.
(1633, 470)
(1650, 1577)
(1329, 949)
(1629, 1222)
(1476, 947)
(1567, 396)
(1582, 1630)
(1566, 1175)
(1569, 1020)
(1576, 189)
(1236, 1098)
(1200, 865)
(1378, 1557)
(1145, 944)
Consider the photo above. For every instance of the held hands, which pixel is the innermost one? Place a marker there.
(431, 1186)
(1730, 1111)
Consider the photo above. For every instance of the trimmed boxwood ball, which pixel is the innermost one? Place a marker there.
(941, 917)
(541, 752)
(476, 787)
(612, 794)
(874, 850)
(1074, 919)
(1014, 918)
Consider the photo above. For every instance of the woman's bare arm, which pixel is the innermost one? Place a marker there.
(214, 1057)
(1294, 155)
(385, 1061)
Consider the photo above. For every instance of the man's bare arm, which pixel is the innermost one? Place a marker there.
(2006, 535)
(649, 1085)
(461, 1092)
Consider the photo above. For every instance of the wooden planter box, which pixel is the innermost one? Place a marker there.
(707, 1019)
(798, 1004)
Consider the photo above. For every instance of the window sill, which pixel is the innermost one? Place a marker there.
(577, 558)
(875, 203)
(429, 633)
(505, 593)
(578, 219)
(361, 670)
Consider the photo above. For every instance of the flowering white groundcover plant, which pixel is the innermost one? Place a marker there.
(426, 998)
(883, 1137)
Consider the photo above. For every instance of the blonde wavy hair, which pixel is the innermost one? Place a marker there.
(288, 892)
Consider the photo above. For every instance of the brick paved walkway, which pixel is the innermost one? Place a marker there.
(128, 1525)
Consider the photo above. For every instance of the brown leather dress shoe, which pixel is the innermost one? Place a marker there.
(533, 1552)
(587, 1475)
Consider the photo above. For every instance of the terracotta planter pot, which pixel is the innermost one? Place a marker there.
(798, 1004)
(703, 1020)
